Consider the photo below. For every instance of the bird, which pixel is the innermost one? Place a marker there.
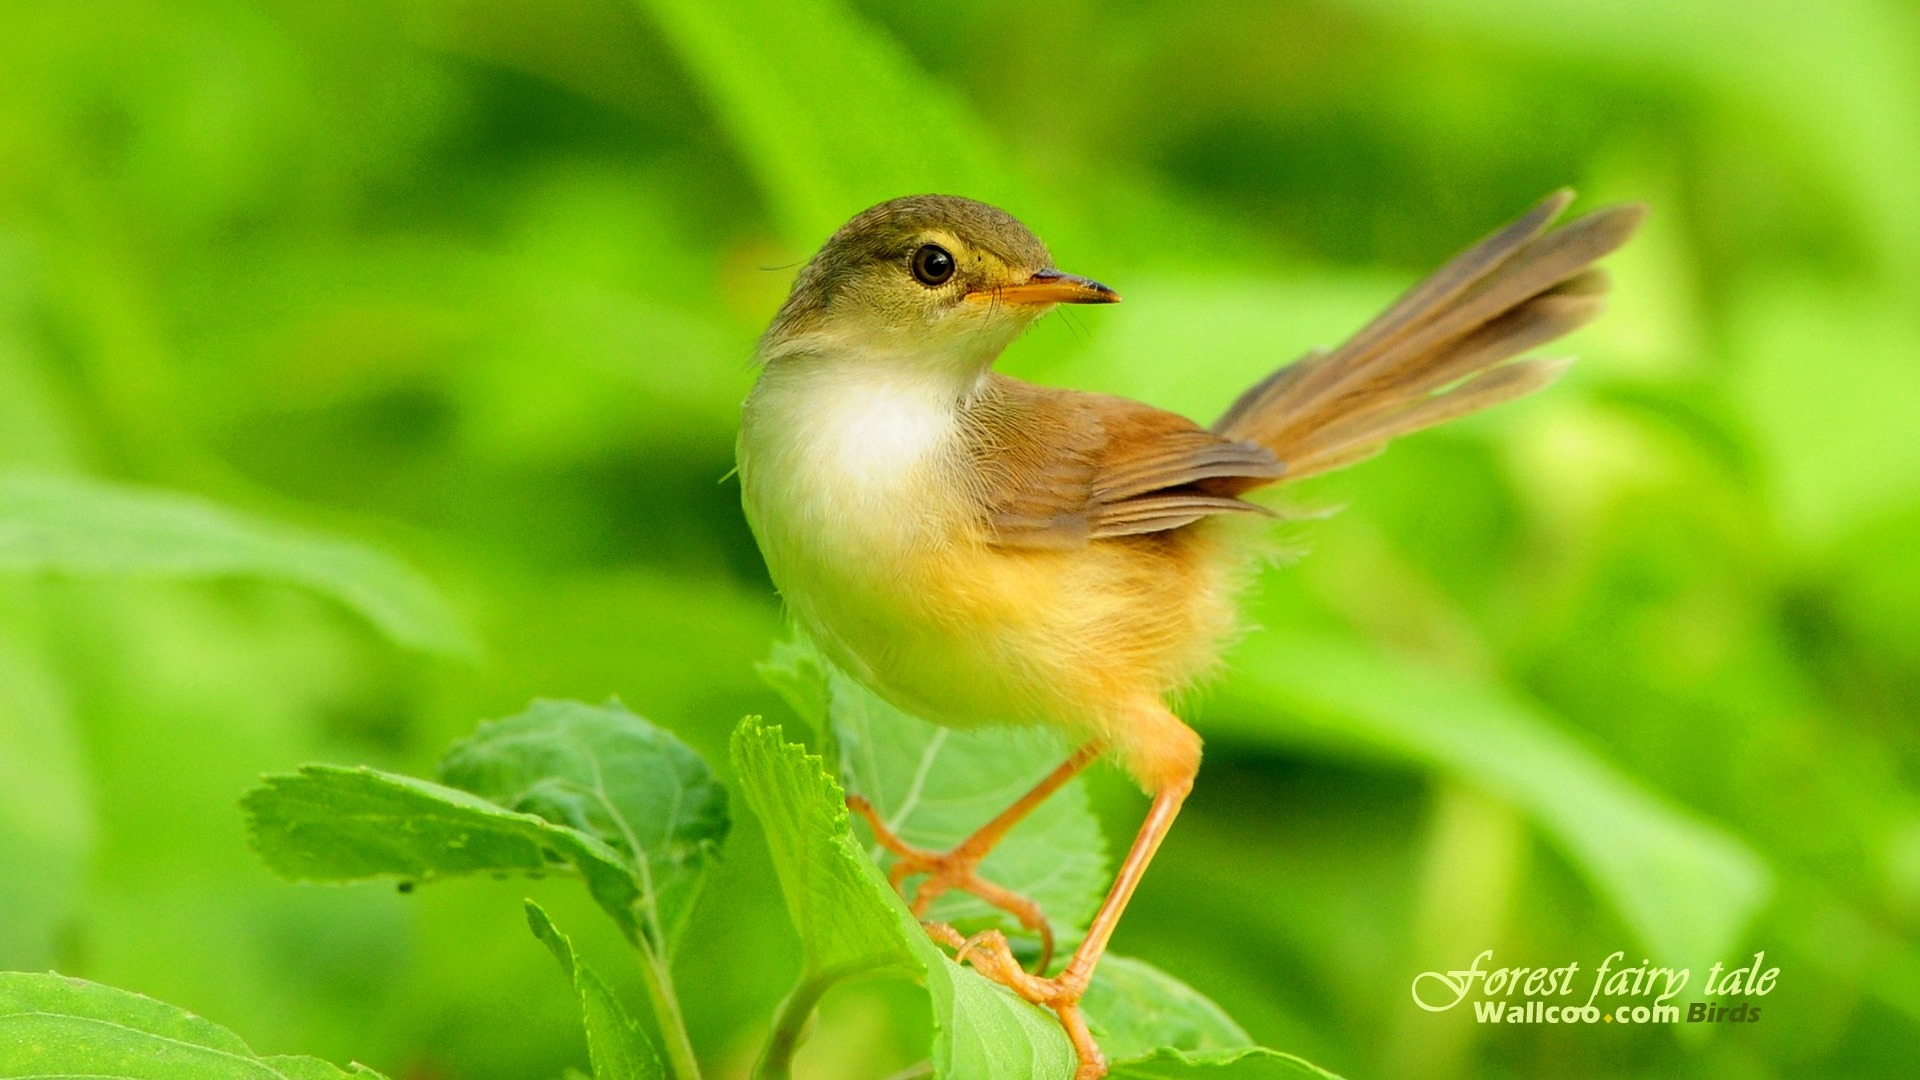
(981, 551)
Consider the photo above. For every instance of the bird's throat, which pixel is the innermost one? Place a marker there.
(847, 460)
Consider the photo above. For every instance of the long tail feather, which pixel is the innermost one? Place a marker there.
(1441, 350)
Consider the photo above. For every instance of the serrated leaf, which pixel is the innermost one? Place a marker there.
(848, 920)
(593, 788)
(802, 677)
(56, 1028)
(337, 824)
(1687, 888)
(66, 525)
(934, 786)
(851, 923)
(612, 775)
(616, 1046)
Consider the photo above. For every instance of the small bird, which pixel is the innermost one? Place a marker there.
(980, 550)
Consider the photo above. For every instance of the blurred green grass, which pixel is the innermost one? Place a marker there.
(477, 284)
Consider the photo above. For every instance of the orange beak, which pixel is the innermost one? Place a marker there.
(1050, 287)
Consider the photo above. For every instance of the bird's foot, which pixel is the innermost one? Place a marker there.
(953, 869)
(990, 955)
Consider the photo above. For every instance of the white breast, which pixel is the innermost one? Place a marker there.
(872, 439)
(847, 471)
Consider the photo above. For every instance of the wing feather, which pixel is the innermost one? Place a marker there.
(1062, 469)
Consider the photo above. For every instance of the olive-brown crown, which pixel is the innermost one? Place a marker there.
(905, 265)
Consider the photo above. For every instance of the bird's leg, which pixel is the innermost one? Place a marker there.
(989, 954)
(955, 868)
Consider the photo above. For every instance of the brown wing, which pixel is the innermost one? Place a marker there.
(1059, 468)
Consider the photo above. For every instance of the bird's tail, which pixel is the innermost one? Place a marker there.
(1440, 351)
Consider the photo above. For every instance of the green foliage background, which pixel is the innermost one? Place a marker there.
(1634, 666)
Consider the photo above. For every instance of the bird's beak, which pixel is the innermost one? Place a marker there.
(1050, 287)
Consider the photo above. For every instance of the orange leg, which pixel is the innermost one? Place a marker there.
(954, 869)
(988, 952)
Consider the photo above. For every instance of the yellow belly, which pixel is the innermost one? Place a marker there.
(972, 634)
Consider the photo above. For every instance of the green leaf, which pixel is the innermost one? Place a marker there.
(336, 824)
(1249, 1064)
(617, 1047)
(934, 786)
(802, 677)
(980, 1029)
(1135, 1009)
(849, 920)
(851, 923)
(836, 126)
(56, 1028)
(66, 525)
(612, 775)
(594, 788)
(1687, 888)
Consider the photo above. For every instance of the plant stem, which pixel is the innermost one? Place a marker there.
(658, 978)
(789, 1024)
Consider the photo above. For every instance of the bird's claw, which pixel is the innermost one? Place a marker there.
(948, 870)
(988, 951)
(944, 934)
(990, 955)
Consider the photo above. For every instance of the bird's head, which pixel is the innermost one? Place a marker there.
(927, 279)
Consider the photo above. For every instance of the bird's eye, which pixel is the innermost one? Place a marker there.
(932, 265)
